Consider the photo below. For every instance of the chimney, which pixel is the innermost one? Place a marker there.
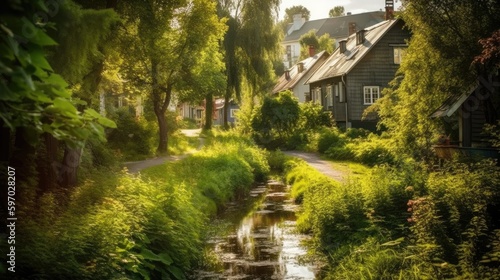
(352, 28)
(389, 9)
(342, 46)
(311, 51)
(300, 67)
(287, 75)
(360, 37)
(298, 21)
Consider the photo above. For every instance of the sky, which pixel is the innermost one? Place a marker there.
(320, 8)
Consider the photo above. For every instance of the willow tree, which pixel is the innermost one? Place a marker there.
(163, 40)
(437, 64)
(250, 46)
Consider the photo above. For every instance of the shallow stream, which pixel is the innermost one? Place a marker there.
(260, 241)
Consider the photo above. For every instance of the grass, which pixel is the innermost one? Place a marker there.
(352, 170)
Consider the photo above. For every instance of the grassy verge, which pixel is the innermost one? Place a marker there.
(402, 222)
(119, 226)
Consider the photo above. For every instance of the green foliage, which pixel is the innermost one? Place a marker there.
(134, 137)
(312, 116)
(322, 43)
(151, 226)
(329, 138)
(290, 12)
(336, 11)
(276, 119)
(33, 95)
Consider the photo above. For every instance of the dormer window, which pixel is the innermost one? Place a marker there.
(343, 46)
(360, 37)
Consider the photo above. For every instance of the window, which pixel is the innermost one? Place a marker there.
(317, 96)
(399, 53)
(307, 96)
(371, 94)
(341, 93)
(233, 112)
(329, 96)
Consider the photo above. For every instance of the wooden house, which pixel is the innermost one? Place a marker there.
(353, 77)
(293, 79)
(472, 109)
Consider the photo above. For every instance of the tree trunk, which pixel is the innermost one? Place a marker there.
(163, 129)
(47, 163)
(226, 107)
(209, 110)
(68, 168)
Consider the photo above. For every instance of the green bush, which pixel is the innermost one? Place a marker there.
(134, 138)
(328, 138)
(340, 153)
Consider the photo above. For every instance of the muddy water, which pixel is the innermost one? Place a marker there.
(261, 242)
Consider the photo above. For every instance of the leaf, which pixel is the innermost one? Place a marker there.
(93, 113)
(36, 35)
(38, 60)
(106, 122)
(149, 255)
(176, 272)
(65, 106)
(165, 258)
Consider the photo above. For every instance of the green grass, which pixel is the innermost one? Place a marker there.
(352, 170)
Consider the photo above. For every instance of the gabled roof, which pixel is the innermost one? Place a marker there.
(337, 27)
(454, 102)
(342, 63)
(295, 76)
(306, 27)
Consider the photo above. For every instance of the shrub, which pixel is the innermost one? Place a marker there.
(340, 153)
(134, 138)
(328, 138)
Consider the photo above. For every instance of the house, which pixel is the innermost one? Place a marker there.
(218, 115)
(353, 77)
(293, 79)
(338, 28)
(197, 111)
(472, 110)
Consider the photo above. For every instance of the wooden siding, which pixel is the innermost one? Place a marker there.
(377, 68)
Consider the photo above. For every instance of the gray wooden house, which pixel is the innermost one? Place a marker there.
(472, 109)
(353, 77)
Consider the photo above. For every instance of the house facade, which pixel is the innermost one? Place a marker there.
(337, 27)
(294, 78)
(353, 77)
(472, 110)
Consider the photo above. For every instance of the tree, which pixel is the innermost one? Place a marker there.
(165, 39)
(437, 65)
(251, 44)
(337, 11)
(323, 43)
(289, 12)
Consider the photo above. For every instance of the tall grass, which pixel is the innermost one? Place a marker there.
(119, 226)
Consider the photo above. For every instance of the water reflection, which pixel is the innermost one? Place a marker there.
(264, 244)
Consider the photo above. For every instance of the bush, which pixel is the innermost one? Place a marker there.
(340, 153)
(134, 138)
(328, 138)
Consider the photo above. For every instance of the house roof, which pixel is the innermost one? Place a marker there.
(295, 76)
(306, 27)
(337, 27)
(342, 63)
(454, 102)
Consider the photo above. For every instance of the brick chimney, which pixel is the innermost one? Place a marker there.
(389, 9)
(312, 51)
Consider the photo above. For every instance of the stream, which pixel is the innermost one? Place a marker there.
(260, 239)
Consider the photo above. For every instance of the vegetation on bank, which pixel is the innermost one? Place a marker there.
(402, 221)
(116, 225)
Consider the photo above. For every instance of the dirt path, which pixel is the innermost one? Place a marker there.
(322, 166)
(136, 166)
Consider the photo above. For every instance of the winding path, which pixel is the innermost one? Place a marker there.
(136, 166)
(319, 164)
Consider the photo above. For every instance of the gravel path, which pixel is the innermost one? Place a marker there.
(322, 166)
(136, 166)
